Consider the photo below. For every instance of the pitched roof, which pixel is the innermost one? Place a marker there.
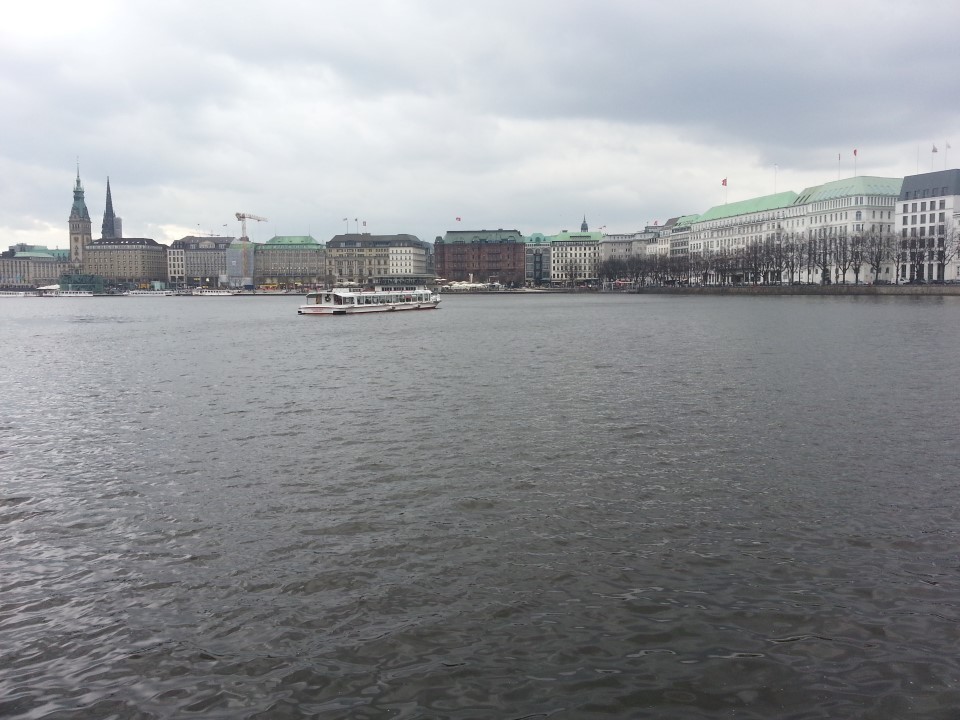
(753, 205)
(861, 185)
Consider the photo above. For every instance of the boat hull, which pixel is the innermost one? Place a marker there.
(365, 309)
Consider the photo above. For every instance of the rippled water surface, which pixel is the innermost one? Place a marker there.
(515, 507)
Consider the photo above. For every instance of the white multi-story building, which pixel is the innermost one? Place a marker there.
(616, 247)
(927, 225)
(728, 228)
(645, 243)
(407, 257)
(575, 257)
(842, 218)
(677, 231)
(176, 265)
(362, 257)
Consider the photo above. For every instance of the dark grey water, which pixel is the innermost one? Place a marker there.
(515, 507)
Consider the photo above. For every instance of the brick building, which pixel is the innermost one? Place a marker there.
(481, 256)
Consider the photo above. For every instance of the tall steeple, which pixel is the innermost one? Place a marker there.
(80, 230)
(583, 227)
(109, 228)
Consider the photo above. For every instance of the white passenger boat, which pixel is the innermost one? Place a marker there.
(381, 298)
(72, 293)
(212, 291)
(149, 293)
(18, 293)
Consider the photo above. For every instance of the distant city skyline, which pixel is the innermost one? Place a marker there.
(407, 117)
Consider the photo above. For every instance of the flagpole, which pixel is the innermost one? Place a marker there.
(838, 166)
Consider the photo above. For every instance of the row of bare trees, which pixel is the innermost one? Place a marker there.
(794, 259)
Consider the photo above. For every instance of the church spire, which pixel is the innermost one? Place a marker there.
(583, 227)
(108, 229)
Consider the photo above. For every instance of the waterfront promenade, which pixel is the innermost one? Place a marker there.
(833, 290)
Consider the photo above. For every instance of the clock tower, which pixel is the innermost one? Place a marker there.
(80, 231)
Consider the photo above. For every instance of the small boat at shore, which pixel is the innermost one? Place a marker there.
(355, 301)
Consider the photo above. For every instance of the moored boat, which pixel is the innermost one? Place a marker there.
(149, 293)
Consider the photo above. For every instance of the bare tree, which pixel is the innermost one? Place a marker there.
(901, 254)
(946, 249)
(877, 251)
(842, 256)
(779, 258)
(821, 257)
(754, 257)
(658, 270)
(918, 255)
(857, 256)
(701, 265)
(638, 269)
(612, 269)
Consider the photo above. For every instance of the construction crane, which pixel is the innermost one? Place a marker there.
(243, 217)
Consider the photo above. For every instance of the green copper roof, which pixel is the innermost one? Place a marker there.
(863, 185)
(79, 209)
(287, 240)
(536, 238)
(753, 205)
(687, 219)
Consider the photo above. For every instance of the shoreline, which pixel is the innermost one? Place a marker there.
(834, 290)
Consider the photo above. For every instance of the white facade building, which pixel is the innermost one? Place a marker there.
(927, 228)
(407, 259)
(616, 247)
(176, 265)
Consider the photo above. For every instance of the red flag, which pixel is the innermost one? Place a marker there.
(458, 219)
(724, 182)
(854, 152)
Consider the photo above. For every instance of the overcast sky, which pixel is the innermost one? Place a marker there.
(407, 114)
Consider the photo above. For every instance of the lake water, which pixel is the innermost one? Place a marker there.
(513, 507)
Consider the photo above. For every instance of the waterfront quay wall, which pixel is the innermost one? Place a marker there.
(804, 290)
